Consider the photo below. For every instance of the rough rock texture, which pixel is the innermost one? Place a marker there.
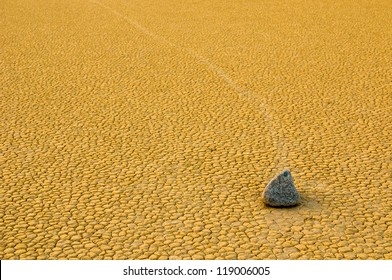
(281, 192)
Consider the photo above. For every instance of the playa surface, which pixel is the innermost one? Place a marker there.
(149, 129)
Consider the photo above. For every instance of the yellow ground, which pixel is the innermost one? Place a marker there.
(148, 129)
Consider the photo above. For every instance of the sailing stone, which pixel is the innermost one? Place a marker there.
(281, 192)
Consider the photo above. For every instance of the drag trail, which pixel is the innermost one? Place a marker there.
(255, 100)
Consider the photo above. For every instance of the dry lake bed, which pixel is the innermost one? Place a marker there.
(149, 129)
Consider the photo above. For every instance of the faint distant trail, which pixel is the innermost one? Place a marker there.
(253, 99)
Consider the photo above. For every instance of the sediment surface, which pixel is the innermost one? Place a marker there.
(149, 129)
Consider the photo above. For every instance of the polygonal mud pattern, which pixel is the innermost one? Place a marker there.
(148, 131)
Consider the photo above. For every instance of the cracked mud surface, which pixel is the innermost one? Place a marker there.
(149, 130)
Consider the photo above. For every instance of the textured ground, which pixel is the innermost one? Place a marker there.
(148, 129)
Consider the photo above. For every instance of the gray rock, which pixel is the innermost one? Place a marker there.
(281, 192)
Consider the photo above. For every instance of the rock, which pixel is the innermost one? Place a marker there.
(281, 192)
